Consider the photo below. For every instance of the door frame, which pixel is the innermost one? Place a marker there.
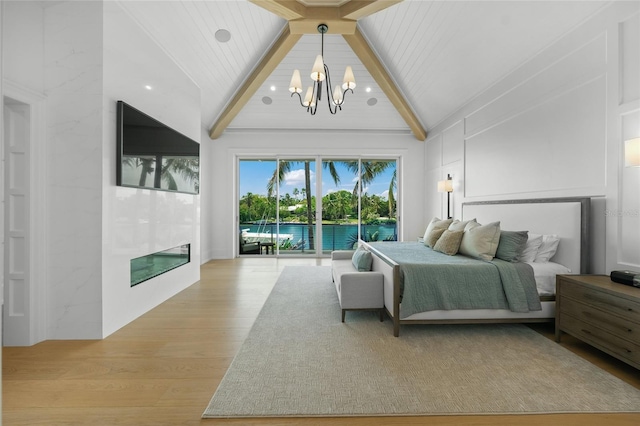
(318, 159)
(36, 222)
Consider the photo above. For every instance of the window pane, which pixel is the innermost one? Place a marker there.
(257, 206)
(378, 204)
(339, 204)
(297, 227)
(348, 213)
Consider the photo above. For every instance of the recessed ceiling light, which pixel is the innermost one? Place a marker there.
(273, 88)
(148, 87)
(372, 101)
(223, 36)
(267, 100)
(368, 89)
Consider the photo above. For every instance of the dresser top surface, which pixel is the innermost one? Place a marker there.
(603, 282)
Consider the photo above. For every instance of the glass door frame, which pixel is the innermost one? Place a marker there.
(318, 188)
(317, 238)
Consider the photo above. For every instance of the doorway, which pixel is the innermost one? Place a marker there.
(23, 322)
(16, 315)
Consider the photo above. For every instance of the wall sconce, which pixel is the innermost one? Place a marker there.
(447, 186)
(632, 153)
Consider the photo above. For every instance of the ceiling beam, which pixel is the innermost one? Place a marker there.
(357, 9)
(252, 83)
(352, 10)
(379, 73)
(305, 20)
(287, 9)
(309, 24)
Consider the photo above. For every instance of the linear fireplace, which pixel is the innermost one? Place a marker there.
(146, 267)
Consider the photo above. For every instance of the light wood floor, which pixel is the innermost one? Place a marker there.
(163, 368)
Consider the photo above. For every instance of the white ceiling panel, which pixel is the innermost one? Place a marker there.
(441, 54)
(186, 30)
(356, 113)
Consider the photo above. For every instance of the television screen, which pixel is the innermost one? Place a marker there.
(154, 156)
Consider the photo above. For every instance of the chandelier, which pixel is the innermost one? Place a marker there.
(320, 73)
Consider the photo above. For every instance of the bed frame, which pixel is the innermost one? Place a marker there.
(566, 217)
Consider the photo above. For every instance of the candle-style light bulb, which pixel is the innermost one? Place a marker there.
(349, 81)
(296, 82)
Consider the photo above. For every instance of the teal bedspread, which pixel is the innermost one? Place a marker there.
(431, 280)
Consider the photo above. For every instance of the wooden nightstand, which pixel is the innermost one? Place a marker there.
(600, 312)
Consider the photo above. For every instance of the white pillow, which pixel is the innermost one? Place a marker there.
(548, 248)
(545, 276)
(480, 241)
(531, 248)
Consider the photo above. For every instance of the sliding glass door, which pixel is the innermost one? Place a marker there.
(256, 207)
(295, 188)
(340, 191)
(359, 201)
(378, 206)
(291, 207)
(276, 206)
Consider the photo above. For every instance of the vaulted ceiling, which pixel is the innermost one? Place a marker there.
(415, 62)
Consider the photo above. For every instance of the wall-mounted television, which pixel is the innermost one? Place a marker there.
(151, 155)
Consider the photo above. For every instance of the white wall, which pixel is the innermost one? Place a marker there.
(554, 128)
(138, 222)
(73, 87)
(1, 189)
(23, 86)
(207, 196)
(223, 178)
(24, 44)
(81, 57)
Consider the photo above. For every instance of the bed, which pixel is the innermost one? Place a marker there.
(566, 218)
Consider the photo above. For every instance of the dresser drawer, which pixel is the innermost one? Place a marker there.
(626, 308)
(624, 349)
(619, 326)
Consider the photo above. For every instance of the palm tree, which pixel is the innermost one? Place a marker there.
(278, 176)
(187, 168)
(370, 170)
(391, 199)
(248, 199)
(147, 164)
(337, 205)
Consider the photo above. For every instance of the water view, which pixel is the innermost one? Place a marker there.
(358, 199)
(295, 236)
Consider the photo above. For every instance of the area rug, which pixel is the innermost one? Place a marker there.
(299, 359)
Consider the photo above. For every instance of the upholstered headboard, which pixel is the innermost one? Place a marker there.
(566, 217)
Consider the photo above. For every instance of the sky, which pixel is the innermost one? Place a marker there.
(255, 174)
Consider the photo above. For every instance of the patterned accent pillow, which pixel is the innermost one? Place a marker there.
(436, 223)
(433, 237)
(449, 242)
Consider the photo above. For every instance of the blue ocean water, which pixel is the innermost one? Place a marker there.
(334, 237)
